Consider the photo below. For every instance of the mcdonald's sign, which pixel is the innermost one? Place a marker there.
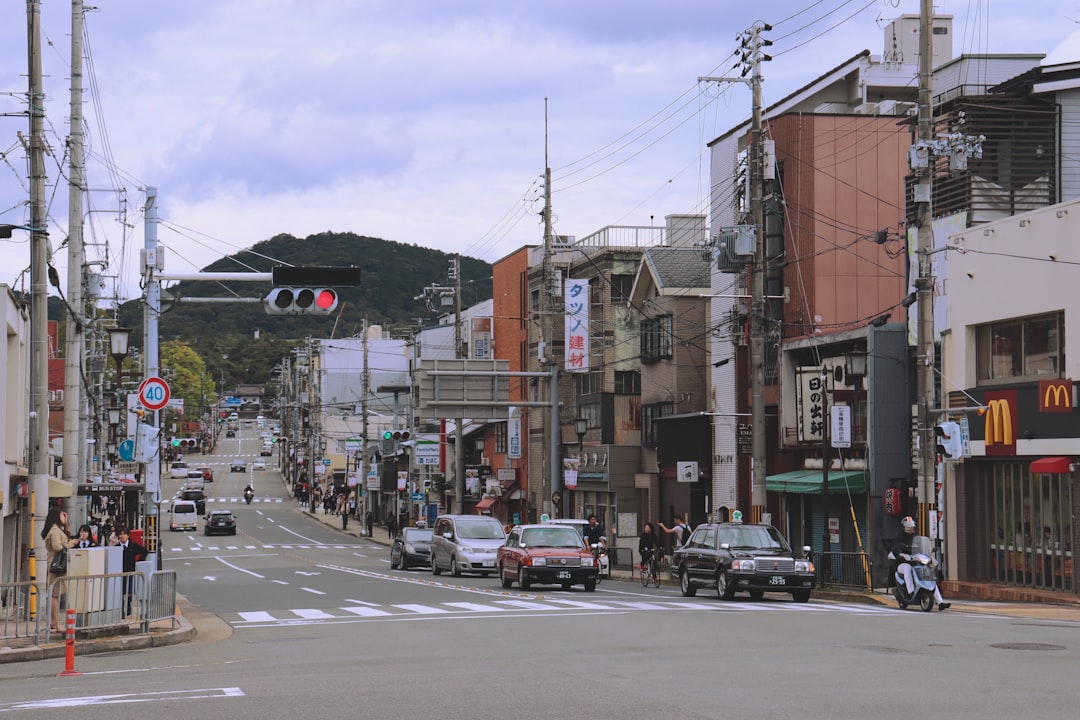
(1055, 396)
(1000, 419)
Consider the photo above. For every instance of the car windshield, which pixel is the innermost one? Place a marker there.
(418, 534)
(182, 508)
(480, 529)
(753, 538)
(551, 537)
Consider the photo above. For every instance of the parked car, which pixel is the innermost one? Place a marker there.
(258, 465)
(412, 546)
(733, 557)
(580, 525)
(547, 554)
(207, 473)
(465, 544)
(238, 465)
(178, 470)
(220, 521)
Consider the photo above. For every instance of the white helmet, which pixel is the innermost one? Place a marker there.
(907, 523)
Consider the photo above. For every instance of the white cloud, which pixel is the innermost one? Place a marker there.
(423, 121)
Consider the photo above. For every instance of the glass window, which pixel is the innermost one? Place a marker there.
(656, 340)
(500, 438)
(649, 414)
(627, 382)
(620, 288)
(1020, 350)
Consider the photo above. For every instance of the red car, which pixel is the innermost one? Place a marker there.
(207, 473)
(546, 555)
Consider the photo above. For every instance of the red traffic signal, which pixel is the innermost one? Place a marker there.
(301, 301)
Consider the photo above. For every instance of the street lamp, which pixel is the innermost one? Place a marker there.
(118, 347)
(581, 425)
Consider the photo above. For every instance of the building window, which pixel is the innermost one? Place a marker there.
(587, 383)
(627, 382)
(1020, 350)
(649, 414)
(656, 341)
(591, 413)
(620, 288)
(500, 438)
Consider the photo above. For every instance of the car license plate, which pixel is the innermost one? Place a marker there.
(489, 563)
(778, 580)
(563, 575)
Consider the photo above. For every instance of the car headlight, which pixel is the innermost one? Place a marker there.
(742, 565)
(588, 562)
(804, 566)
(409, 548)
(538, 561)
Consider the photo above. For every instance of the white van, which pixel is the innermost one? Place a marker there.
(183, 515)
(178, 470)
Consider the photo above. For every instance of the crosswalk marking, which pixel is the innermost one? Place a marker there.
(422, 609)
(198, 548)
(545, 605)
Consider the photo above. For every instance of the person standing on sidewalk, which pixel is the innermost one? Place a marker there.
(391, 526)
(369, 522)
(343, 511)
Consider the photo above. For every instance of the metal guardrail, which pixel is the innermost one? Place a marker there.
(101, 603)
(846, 570)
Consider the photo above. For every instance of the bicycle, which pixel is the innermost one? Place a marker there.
(651, 570)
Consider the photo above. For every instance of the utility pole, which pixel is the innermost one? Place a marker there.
(924, 284)
(74, 397)
(151, 266)
(757, 282)
(361, 472)
(459, 435)
(39, 328)
(552, 479)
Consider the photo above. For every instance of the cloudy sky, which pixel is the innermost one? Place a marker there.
(419, 121)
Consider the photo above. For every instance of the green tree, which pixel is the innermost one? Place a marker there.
(186, 374)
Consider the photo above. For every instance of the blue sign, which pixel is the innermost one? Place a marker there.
(418, 497)
(126, 451)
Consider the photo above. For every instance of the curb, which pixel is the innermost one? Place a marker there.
(153, 639)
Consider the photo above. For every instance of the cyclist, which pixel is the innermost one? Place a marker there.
(647, 545)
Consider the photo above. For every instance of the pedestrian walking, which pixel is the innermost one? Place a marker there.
(391, 526)
(133, 553)
(343, 511)
(369, 521)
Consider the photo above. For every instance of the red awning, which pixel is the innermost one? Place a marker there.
(1052, 465)
(485, 504)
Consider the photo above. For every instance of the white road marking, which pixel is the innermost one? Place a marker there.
(310, 614)
(234, 567)
(313, 591)
(422, 609)
(256, 616)
(124, 698)
(365, 611)
(476, 607)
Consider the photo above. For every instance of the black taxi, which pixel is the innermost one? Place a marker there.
(732, 557)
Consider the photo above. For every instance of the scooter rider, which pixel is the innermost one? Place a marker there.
(902, 554)
(249, 492)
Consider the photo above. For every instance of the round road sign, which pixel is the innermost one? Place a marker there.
(154, 393)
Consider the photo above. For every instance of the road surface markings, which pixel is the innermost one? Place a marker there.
(124, 698)
(543, 606)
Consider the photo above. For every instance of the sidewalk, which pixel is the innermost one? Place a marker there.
(25, 649)
(978, 598)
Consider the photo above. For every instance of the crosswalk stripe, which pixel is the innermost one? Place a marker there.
(527, 605)
(422, 609)
(475, 606)
(365, 611)
(640, 605)
(579, 604)
(310, 614)
(257, 617)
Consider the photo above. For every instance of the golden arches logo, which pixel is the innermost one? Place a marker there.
(1061, 394)
(999, 428)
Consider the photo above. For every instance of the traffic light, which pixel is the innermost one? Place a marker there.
(947, 441)
(184, 443)
(301, 301)
(391, 440)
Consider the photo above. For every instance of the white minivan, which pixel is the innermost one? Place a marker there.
(183, 515)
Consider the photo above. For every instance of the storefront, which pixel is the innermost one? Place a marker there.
(1020, 519)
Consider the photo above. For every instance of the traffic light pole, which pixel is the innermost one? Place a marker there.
(151, 313)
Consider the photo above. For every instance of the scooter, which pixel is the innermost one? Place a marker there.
(602, 563)
(924, 577)
(248, 494)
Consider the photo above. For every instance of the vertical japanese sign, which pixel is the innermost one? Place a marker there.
(513, 435)
(811, 401)
(480, 334)
(577, 325)
(570, 472)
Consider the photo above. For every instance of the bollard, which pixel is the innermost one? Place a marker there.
(69, 646)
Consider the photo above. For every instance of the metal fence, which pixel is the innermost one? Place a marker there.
(115, 602)
(845, 570)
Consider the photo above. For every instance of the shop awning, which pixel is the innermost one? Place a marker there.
(810, 482)
(60, 488)
(1052, 465)
(485, 504)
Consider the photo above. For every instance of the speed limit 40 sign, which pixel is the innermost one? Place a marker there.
(154, 393)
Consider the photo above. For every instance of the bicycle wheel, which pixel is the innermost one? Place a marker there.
(645, 575)
(655, 573)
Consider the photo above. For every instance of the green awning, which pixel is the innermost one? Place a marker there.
(810, 482)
